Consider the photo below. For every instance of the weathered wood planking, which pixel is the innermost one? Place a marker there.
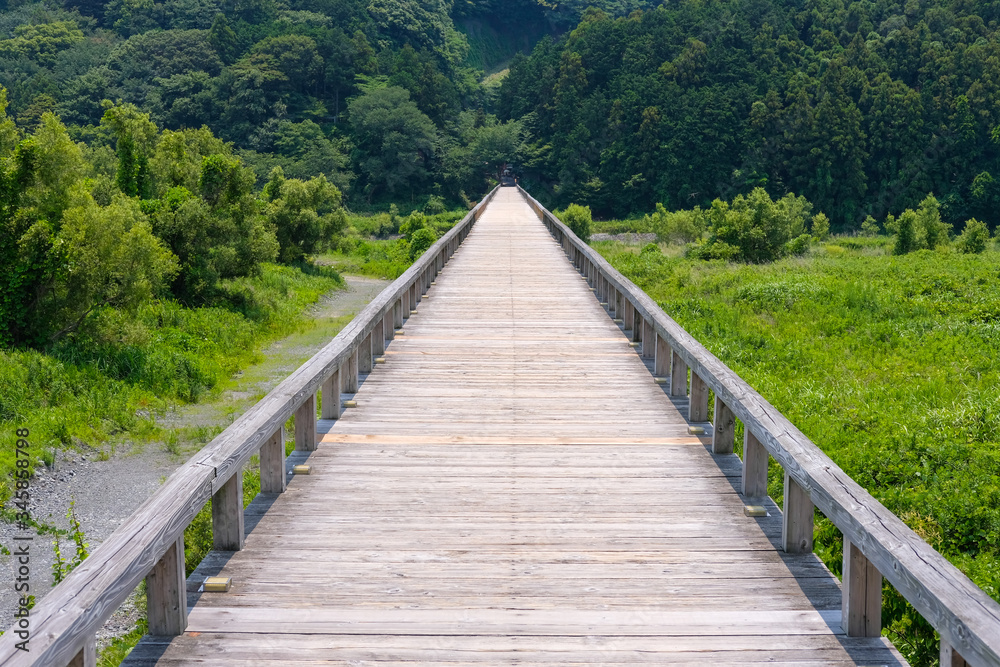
(513, 486)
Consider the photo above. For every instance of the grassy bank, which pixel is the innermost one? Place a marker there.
(889, 364)
(107, 383)
(384, 245)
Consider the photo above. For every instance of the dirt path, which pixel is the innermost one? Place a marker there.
(107, 486)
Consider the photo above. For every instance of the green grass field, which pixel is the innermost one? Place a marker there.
(889, 364)
(107, 383)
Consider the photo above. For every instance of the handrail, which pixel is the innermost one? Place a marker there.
(149, 544)
(967, 619)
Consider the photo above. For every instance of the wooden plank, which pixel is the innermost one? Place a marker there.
(305, 425)
(331, 396)
(724, 428)
(755, 460)
(862, 594)
(797, 519)
(166, 597)
(227, 515)
(698, 405)
(272, 463)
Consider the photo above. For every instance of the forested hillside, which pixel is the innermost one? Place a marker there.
(862, 107)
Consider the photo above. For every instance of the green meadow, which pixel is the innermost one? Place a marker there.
(888, 363)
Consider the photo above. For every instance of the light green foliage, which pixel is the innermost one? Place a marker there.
(119, 367)
(869, 227)
(974, 237)
(861, 351)
(754, 228)
(918, 229)
(820, 227)
(116, 261)
(304, 214)
(61, 566)
(675, 226)
(578, 219)
(422, 239)
(41, 42)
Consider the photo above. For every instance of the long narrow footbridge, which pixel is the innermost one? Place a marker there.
(507, 458)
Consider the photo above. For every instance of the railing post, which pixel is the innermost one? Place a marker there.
(755, 459)
(397, 313)
(698, 402)
(678, 376)
(387, 331)
(227, 514)
(272, 459)
(166, 592)
(628, 319)
(661, 364)
(331, 396)
(350, 378)
(87, 655)
(305, 425)
(861, 605)
(378, 338)
(365, 354)
(724, 429)
(636, 325)
(414, 297)
(648, 340)
(950, 657)
(796, 519)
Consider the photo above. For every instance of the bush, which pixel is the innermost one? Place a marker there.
(422, 239)
(869, 227)
(675, 226)
(906, 233)
(974, 237)
(578, 219)
(820, 227)
(754, 228)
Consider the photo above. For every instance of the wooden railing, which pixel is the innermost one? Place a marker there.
(876, 542)
(150, 544)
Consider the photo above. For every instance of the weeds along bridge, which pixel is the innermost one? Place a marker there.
(516, 478)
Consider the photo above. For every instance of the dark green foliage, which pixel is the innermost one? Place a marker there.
(861, 109)
(422, 239)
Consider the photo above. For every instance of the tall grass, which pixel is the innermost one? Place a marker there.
(890, 364)
(108, 381)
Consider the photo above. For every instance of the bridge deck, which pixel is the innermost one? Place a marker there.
(513, 487)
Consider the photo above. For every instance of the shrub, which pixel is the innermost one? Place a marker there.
(422, 239)
(675, 226)
(906, 233)
(869, 227)
(974, 237)
(578, 219)
(758, 228)
(820, 227)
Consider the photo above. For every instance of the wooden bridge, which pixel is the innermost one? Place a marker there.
(502, 473)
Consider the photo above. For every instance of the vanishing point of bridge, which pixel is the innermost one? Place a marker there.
(513, 476)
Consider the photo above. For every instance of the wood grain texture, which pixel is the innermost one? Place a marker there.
(227, 515)
(797, 519)
(166, 592)
(513, 488)
(724, 428)
(861, 611)
(962, 613)
(272, 462)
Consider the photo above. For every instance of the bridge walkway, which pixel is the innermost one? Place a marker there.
(513, 487)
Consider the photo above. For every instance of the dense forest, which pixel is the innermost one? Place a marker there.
(862, 107)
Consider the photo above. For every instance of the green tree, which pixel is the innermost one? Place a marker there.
(394, 141)
(578, 219)
(974, 238)
(304, 214)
